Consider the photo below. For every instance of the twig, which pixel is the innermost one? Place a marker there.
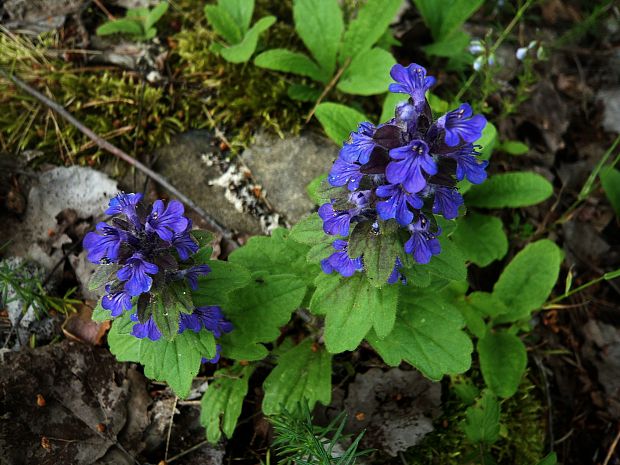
(105, 145)
(191, 449)
(105, 10)
(174, 407)
(612, 448)
(328, 87)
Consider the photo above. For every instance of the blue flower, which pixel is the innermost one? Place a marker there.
(411, 80)
(136, 274)
(412, 161)
(335, 222)
(148, 329)
(469, 166)
(105, 246)
(166, 222)
(397, 206)
(340, 261)
(396, 274)
(422, 243)
(210, 318)
(125, 204)
(192, 274)
(460, 125)
(447, 202)
(214, 360)
(116, 302)
(343, 172)
(361, 145)
(183, 242)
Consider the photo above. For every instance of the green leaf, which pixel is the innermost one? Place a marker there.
(101, 314)
(481, 238)
(203, 238)
(550, 459)
(348, 304)
(239, 10)
(384, 314)
(372, 20)
(223, 23)
(486, 304)
(103, 274)
(503, 359)
(276, 254)
(510, 190)
(280, 59)
(481, 422)
(514, 147)
(224, 278)
(379, 250)
(155, 15)
(368, 73)
(488, 140)
(121, 26)
(221, 404)
(427, 334)
(309, 230)
(465, 389)
(319, 252)
(610, 179)
(389, 105)
(450, 46)
(258, 310)
(241, 52)
(315, 187)
(175, 362)
(449, 264)
(455, 13)
(303, 93)
(319, 24)
(473, 319)
(338, 120)
(529, 278)
(303, 375)
(439, 105)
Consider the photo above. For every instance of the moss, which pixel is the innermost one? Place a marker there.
(522, 433)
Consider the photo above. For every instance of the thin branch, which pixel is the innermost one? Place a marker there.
(105, 145)
(612, 449)
(174, 407)
(328, 87)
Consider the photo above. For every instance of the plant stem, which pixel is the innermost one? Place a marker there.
(496, 45)
(105, 145)
(606, 277)
(328, 87)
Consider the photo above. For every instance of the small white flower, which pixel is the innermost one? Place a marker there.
(521, 53)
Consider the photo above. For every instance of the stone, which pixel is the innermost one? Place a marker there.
(39, 15)
(284, 167)
(611, 114)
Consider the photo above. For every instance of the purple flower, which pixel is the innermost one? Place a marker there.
(460, 125)
(343, 172)
(116, 302)
(166, 222)
(184, 243)
(411, 80)
(447, 202)
(396, 275)
(340, 261)
(125, 204)
(412, 161)
(469, 166)
(148, 329)
(136, 274)
(192, 274)
(397, 205)
(105, 246)
(422, 243)
(210, 318)
(335, 222)
(214, 360)
(361, 145)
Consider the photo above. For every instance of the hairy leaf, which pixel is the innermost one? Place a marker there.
(280, 59)
(368, 73)
(223, 23)
(481, 422)
(241, 52)
(518, 189)
(338, 120)
(503, 359)
(481, 238)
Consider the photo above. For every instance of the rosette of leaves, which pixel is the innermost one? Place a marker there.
(346, 55)
(139, 23)
(231, 20)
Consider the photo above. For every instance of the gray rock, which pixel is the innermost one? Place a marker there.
(38, 237)
(584, 242)
(84, 269)
(611, 115)
(396, 407)
(39, 15)
(189, 162)
(284, 167)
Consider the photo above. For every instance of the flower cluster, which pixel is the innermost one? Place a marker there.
(404, 170)
(149, 248)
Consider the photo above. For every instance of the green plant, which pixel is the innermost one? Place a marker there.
(300, 442)
(231, 20)
(139, 23)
